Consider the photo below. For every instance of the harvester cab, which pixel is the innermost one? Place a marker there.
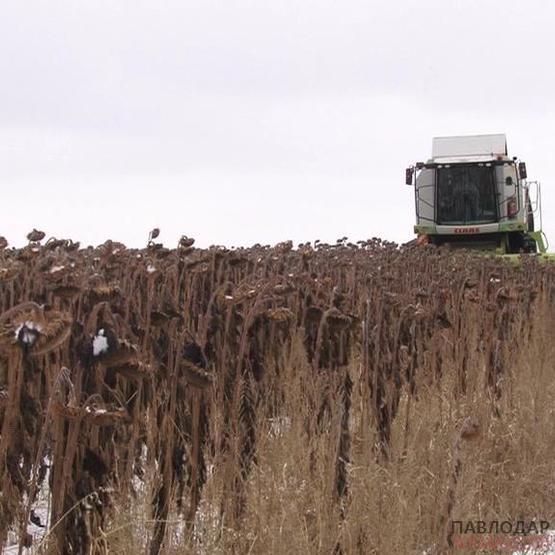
(471, 194)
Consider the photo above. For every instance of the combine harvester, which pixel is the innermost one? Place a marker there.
(471, 194)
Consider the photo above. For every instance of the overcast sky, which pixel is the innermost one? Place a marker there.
(244, 121)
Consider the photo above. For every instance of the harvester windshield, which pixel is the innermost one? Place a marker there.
(466, 194)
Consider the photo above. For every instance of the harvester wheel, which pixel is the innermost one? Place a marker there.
(521, 243)
(529, 244)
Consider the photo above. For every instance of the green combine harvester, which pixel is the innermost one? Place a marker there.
(471, 194)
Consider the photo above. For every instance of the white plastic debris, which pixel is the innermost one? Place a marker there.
(100, 343)
(55, 269)
(28, 332)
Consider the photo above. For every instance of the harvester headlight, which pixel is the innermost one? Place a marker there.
(512, 208)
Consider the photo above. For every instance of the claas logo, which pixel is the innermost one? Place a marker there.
(467, 230)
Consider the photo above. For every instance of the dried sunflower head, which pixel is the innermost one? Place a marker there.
(34, 328)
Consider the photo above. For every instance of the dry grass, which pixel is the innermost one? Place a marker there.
(333, 399)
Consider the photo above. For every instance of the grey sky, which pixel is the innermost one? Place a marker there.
(251, 121)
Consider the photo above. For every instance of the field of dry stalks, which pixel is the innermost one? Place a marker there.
(321, 399)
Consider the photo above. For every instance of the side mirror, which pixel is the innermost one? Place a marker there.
(409, 175)
(522, 170)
